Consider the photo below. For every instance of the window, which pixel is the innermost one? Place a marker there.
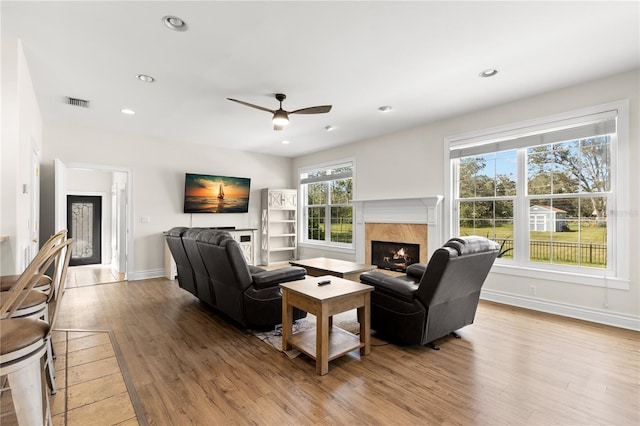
(326, 202)
(545, 191)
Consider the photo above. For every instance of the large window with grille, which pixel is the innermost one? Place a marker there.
(326, 202)
(545, 193)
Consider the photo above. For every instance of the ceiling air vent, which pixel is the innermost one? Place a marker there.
(77, 102)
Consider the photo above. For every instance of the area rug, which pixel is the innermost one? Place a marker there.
(346, 320)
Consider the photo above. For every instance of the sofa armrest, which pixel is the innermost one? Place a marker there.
(255, 269)
(403, 287)
(272, 278)
(416, 271)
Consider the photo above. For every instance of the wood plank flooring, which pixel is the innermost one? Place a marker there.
(513, 366)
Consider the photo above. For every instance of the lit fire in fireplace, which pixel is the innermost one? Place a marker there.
(394, 256)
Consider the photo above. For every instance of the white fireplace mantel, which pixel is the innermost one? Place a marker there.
(422, 210)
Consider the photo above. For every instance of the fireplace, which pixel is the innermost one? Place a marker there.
(416, 220)
(394, 256)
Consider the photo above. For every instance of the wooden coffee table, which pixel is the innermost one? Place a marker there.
(326, 342)
(319, 266)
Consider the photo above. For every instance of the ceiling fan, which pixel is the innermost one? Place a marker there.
(280, 116)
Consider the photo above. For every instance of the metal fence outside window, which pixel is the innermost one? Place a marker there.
(569, 253)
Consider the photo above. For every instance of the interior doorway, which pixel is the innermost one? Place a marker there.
(84, 224)
(117, 213)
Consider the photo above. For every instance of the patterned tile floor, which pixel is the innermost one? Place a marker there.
(91, 382)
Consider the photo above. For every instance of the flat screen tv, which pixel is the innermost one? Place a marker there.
(215, 194)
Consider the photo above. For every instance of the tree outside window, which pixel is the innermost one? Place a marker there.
(327, 194)
(567, 190)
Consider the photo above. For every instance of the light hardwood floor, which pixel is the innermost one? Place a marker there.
(512, 366)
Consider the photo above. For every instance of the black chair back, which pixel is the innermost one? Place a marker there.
(203, 283)
(228, 270)
(186, 278)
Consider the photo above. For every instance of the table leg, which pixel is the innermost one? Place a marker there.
(287, 321)
(322, 343)
(364, 315)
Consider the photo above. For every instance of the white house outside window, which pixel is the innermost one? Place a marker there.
(326, 202)
(546, 191)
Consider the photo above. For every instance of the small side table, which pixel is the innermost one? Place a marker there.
(326, 342)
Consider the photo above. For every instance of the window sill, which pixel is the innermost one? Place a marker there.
(562, 276)
(328, 247)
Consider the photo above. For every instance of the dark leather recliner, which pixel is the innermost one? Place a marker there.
(203, 283)
(248, 294)
(432, 300)
(186, 277)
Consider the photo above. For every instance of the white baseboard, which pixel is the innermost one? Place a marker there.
(145, 275)
(579, 312)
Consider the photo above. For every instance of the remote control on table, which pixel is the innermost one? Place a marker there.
(324, 282)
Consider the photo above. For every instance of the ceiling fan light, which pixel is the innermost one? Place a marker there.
(280, 118)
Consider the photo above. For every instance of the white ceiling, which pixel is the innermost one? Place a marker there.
(422, 58)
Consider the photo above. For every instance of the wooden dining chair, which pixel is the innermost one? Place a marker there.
(23, 345)
(22, 349)
(44, 282)
(39, 305)
(36, 300)
(53, 305)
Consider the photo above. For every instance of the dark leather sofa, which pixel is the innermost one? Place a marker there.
(432, 300)
(212, 267)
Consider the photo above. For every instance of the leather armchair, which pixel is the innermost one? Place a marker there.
(432, 300)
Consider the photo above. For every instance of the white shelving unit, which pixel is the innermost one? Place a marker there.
(246, 238)
(279, 225)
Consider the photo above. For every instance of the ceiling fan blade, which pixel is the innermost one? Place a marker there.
(276, 127)
(313, 110)
(253, 106)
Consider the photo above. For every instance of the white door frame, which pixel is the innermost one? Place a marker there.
(61, 202)
(34, 193)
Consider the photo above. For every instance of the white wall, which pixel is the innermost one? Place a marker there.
(158, 168)
(415, 157)
(21, 130)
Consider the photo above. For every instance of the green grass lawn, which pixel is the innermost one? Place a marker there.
(340, 233)
(586, 247)
(588, 234)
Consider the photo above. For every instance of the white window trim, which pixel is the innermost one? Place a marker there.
(618, 276)
(302, 214)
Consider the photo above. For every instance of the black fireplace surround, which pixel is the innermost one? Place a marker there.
(394, 256)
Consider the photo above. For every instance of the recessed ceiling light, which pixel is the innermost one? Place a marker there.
(329, 128)
(489, 72)
(145, 78)
(385, 108)
(285, 142)
(127, 111)
(174, 23)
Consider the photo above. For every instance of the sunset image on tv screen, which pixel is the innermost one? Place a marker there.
(216, 194)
